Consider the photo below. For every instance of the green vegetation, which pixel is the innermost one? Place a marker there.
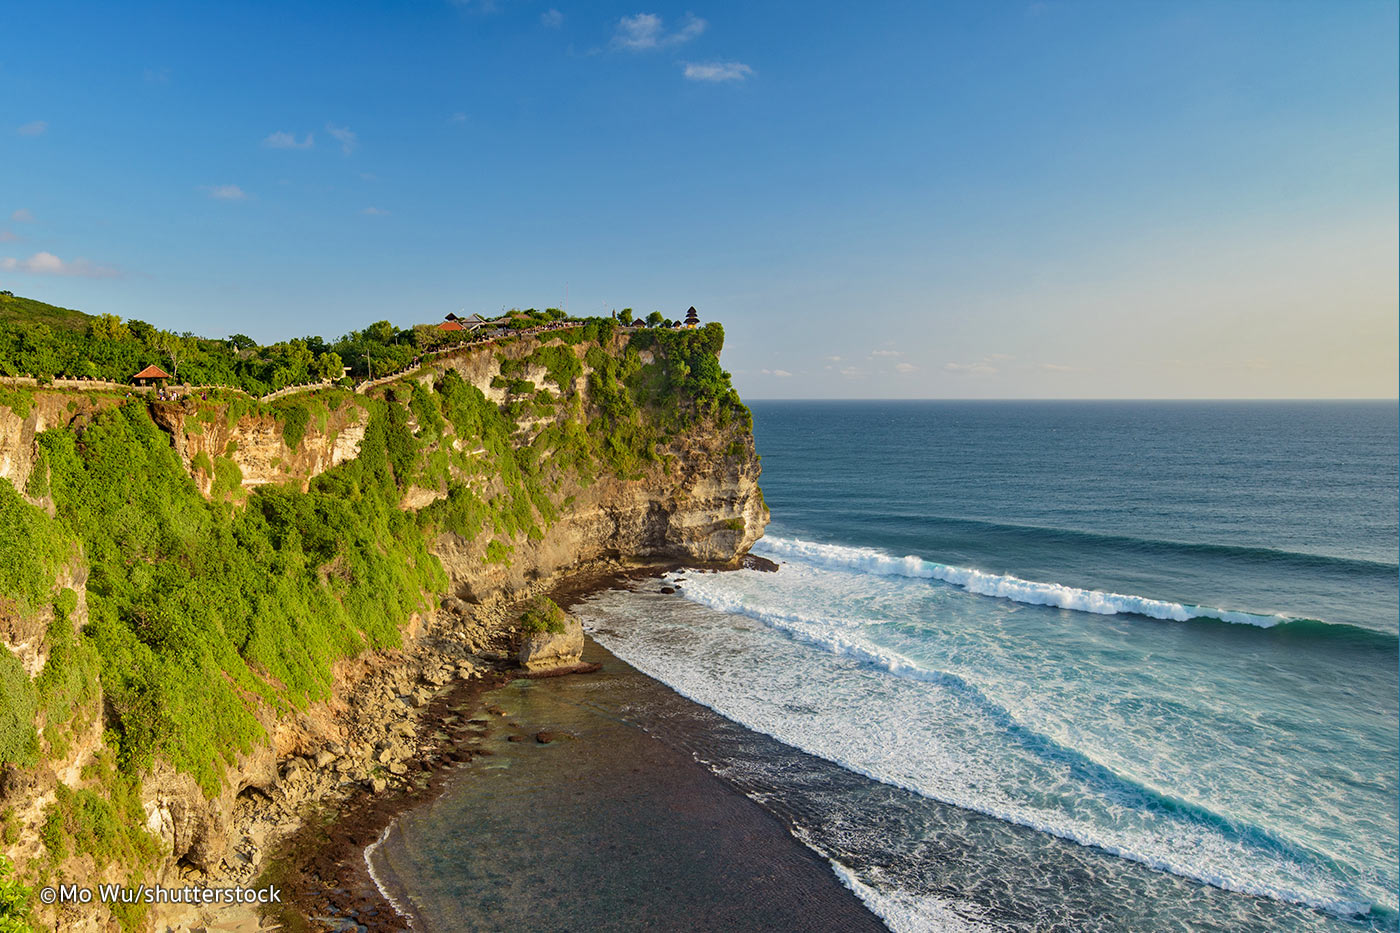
(18, 739)
(67, 686)
(32, 549)
(45, 341)
(204, 613)
(541, 616)
(294, 419)
(14, 901)
(14, 309)
(198, 609)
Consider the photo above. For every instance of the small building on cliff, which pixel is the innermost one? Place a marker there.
(150, 376)
(692, 318)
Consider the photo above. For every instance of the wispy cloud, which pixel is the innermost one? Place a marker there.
(36, 128)
(375, 212)
(7, 236)
(832, 359)
(987, 365)
(156, 75)
(458, 117)
(905, 368)
(345, 136)
(225, 192)
(982, 367)
(283, 140)
(1057, 368)
(648, 31)
(717, 71)
(49, 264)
(885, 353)
(22, 216)
(551, 18)
(780, 373)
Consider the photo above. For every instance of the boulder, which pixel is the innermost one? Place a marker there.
(547, 650)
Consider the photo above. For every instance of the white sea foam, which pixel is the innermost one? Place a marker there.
(905, 913)
(957, 752)
(378, 879)
(1004, 586)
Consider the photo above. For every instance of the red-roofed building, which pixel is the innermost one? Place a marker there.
(151, 375)
(450, 326)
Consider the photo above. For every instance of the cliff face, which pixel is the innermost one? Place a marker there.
(515, 432)
(698, 500)
(256, 443)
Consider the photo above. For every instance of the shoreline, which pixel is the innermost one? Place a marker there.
(332, 869)
(399, 725)
(596, 807)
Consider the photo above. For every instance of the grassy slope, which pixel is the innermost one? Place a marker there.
(14, 309)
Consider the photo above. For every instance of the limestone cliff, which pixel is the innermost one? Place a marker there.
(518, 463)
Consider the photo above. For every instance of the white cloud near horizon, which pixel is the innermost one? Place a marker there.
(905, 368)
(345, 136)
(646, 31)
(717, 72)
(982, 367)
(225, 192)
(551, 18)
(23, 216)
(780, 373)
(886, 353)
(43, 263)
(284, 140)
(36, 128)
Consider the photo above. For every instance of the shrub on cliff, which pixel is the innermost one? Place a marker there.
(18, 740)
(14, 901)
(199, 608)
(541, 616)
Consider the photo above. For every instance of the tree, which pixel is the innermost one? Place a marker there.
(381, 332)
(626, 316)
(654, 319)
(175, 348)
(108, 327)
(242, 342)
(329, 366)
(141, 330)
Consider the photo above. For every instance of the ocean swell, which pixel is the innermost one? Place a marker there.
(1005, 586)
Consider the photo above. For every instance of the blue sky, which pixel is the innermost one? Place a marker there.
(878, 200)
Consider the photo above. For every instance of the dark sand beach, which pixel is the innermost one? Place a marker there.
(601, 826)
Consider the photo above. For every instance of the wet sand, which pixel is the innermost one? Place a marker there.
(603, 826)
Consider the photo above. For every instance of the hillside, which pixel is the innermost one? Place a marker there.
(28, 312)
(182, 582)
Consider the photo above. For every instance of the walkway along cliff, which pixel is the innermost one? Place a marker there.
(190, 591)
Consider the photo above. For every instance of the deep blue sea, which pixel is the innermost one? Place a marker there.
(1064, 665)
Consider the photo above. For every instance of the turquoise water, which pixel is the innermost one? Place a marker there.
(1148, 649)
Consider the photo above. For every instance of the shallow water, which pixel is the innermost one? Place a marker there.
(612, 826)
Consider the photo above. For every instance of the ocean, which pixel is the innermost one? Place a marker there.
(1060, 665)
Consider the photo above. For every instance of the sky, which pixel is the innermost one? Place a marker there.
(877, 200)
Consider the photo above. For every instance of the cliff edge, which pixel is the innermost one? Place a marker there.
(196, 588)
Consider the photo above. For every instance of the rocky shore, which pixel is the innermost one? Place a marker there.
(409, 717)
